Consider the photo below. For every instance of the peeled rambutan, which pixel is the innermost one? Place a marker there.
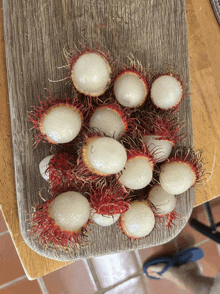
(182, 171)
(90, 70)
(138, 221)
(43, 167)
(166, 91)
(98, 158)
(138, 170)
(58, 120)
(62, 222)
(163, 202)
(164, 205)
(130, 88)
(113, 120)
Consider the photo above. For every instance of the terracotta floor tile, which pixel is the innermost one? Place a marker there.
(189, 237)
(211, 261)
(135, 285)
(114, 268)
(23, 287)
(10, 265)
(3, 226)
(161, 250)
(165, 287)
(72, 279)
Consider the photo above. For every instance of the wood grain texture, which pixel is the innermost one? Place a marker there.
(204, 60)
(204, 42)
(35, 34)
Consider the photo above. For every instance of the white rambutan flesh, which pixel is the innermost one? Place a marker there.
(130, 90)
(91, 74)
(107, 121)
(61, 124)
(105, 155)
(160, 148)
(164, 202)
(70, 211)
(104, 220)
(43, 167)
(139, 220)
(176, 177)
(166, 92)
(137, 173)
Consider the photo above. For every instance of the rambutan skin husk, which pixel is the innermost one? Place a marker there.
(165, 125)
(61, 172)
(109, 200)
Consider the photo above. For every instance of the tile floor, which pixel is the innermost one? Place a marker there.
(112, 274)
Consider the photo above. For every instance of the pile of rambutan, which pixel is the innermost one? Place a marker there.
(117, 158)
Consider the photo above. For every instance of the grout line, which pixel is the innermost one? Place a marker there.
(218, 248)
(201, 243)
(15, 281)
(42, 286)
(94, 275)
(103, 290)
(90, 273)
(4, 233)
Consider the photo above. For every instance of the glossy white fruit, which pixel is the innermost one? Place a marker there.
(106, 155)
(176, 177)
(137, 173)
(164, 202)
(43, 166)
(70, 211)
(107, 121)
(104, 220)
(161, 148)
(91, 74)
(61, 124)
(139, 220)
(166, 92)
(130, 90)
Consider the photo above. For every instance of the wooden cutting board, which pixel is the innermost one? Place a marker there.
(36, 33)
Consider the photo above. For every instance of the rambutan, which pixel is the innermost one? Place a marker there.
(138, 170)
(162, 133)
(164, 205)
(138, 221)
(90, 70)
(61, 222)
(114, 121)
(130, 88)
(166, 91)
(43, 167)
(57, 120)
(182, 171)
(61, 169)
(108, 204)
(98, 158)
